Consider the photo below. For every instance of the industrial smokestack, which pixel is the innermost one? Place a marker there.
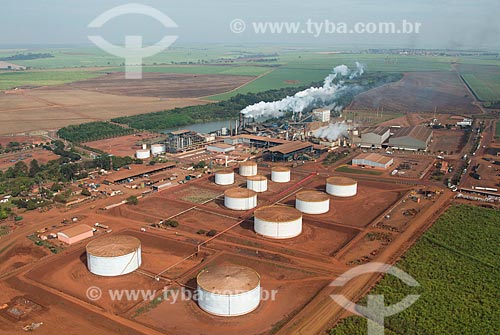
(241, 123)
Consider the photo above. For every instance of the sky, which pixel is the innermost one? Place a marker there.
(459, 24)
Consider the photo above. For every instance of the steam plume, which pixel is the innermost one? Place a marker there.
(312, 97)
(332, 132)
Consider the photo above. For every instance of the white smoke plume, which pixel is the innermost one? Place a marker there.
(332, 132)
(312, 97)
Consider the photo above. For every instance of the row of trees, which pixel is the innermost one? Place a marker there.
(27, 56)
(92, 131)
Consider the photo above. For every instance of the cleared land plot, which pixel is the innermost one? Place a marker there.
(59, 106)
(446, 141)
(358, 211)
(457, 266)
(121, 146)
(420, 92)
(71, 275)
(26, 156)
(294, 289)
(150, 209)
(163, 85)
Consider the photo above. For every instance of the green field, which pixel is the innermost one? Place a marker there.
(231, 70)
(10, 80)
(457, 263)
(347, 169)
(486, 86)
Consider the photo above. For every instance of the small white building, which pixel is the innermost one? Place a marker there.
(321, 114)
(220, 148)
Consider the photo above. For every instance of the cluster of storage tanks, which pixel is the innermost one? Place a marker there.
(155, 150)
(229, 289)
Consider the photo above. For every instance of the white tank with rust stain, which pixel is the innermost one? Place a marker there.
(257, 183)
(143, 154)
(224, 177)
(240, 199)
(228, 290)
(312, 202)
(280, 174)
(278, 222)
(114, 255)
(341, 186)
(248, 168)
(158, 149)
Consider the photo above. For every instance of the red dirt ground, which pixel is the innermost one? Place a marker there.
(121, 146)
(164, 85)
(26, 156)
(419, 92)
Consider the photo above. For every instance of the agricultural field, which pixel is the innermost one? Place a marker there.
(230, 70)
(457, 266)
(9, 80)
(484, 80)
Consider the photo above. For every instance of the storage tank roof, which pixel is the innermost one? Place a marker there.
(258, 177)
(342, 181)
(114, 245)
(248, 163)
(312, 196)
(228, 279)
(239, 193)
(278, 214)
(280, 169)
(224, 172)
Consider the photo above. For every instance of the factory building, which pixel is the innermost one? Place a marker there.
(114, 255)
(254, 141)
(228, 290)
(372, 160)
(321, 115)
(289, 151)
(278, 222)
(75, 234)
(411, 138)
(158, 149)
(221, 148)
(183, 140)
(372, 137)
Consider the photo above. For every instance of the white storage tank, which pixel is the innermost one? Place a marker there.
(341, 186)
(257, 183)
(240, 199)
(228, 290)
(158, 149)
(114, 255)
(280, 174)
(278, 222)
(224, 177)
(312, 202)
(248, 168)
(143, 154)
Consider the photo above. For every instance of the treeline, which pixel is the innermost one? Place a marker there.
(92, 131)
(27, 56)
(222, 110)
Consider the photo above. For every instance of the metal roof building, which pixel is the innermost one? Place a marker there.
(75, 234)
(289, 151)
(372, 160)
(411, 138)
(372, 137)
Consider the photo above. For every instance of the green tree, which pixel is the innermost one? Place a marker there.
(132, 200)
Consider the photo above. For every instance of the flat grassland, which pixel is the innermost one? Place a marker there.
(484, 80)
(457, 264)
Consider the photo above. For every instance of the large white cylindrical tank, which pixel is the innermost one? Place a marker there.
(240, 199)
(257, 183)
(278, 222)
(228, 290)
(114, 255)
(280, 174)
(225, 177)
(341, 186)
(248, 168)
(143, 154)
(158, 149)
(312, 202)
